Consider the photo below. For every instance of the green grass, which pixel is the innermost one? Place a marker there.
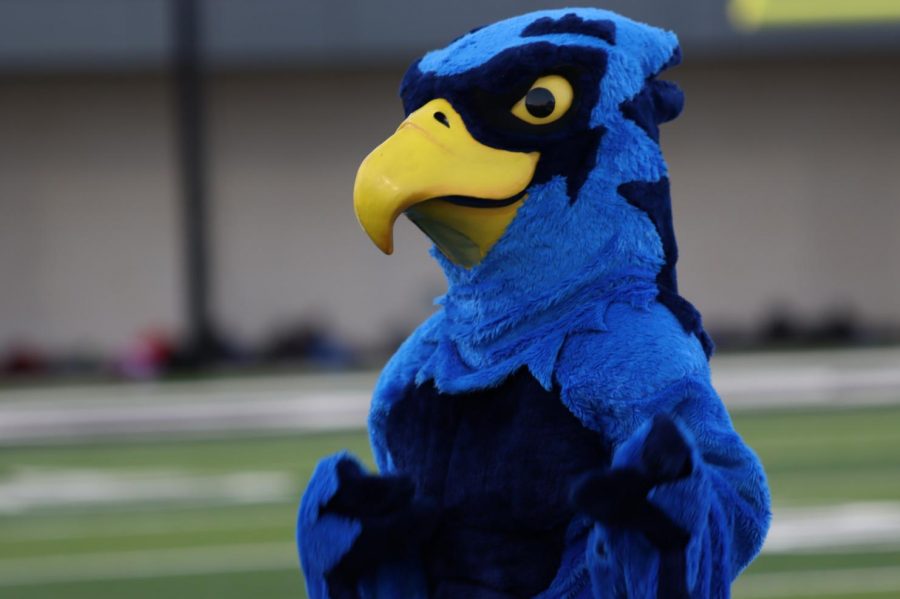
(264, 585)
(812, 458)
(827, 456)
(298, 454)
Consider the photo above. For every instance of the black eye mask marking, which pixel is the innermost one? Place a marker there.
(572, 23)
(485, 96)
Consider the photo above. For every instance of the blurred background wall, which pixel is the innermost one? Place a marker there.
(784, 168)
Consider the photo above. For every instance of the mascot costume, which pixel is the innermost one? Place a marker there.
(551, 431)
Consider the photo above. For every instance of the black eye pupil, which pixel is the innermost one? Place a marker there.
(539, 102)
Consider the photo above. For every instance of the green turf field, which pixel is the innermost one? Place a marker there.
(198, 532)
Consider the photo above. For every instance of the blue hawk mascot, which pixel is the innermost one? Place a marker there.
(551, 431)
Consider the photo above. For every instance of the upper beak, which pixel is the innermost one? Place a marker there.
(433, 155)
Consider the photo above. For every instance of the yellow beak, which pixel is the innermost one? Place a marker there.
(460, 192)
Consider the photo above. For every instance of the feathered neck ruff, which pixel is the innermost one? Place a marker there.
(552, 274)
(490, 328)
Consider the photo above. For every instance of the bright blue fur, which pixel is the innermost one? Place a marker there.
(570, 293)
(324, 538)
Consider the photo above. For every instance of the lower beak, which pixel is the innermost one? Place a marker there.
(460, 192)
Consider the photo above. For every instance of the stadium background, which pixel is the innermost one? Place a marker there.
(167, 382)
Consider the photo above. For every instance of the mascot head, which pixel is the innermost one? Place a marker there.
(530, 157)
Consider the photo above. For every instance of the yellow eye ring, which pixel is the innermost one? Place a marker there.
(549, 98)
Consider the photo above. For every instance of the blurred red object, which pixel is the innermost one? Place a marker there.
(22, 358)
(149, 356)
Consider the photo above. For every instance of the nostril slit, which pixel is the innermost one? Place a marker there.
(442, 119)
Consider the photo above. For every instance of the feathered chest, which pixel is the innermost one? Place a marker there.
(499, 462)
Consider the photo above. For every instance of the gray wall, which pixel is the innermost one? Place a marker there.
(88, 238)
(784, 179)
(786, 190)
(78, 35)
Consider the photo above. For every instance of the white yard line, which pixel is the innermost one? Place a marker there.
(810, 378)
(154, 563)
(834, 527)
(189, 415)
(330, 402)
(28, 489)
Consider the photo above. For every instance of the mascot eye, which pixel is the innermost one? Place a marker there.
(549, 98)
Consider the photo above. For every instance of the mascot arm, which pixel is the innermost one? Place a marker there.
(323, 538)
(356, 531)
(683, 507)
(353, 527)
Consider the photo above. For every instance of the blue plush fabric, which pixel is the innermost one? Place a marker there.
(323, 539)
(653, 198)
(504, 507)
(579, 297)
